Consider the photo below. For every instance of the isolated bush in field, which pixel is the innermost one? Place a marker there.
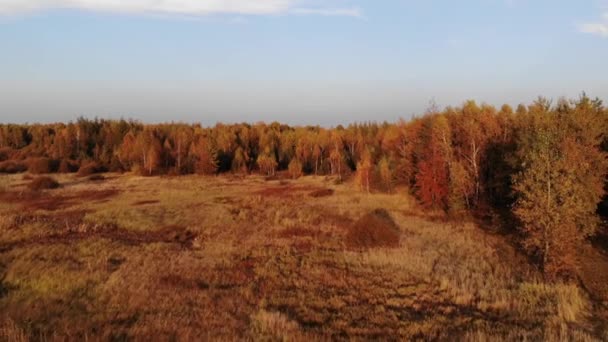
(375, 229)
(12, 166)
(41, 165)
(295, 168)
(5, 153)
(67, 166)
(89, 169)
(43, 183)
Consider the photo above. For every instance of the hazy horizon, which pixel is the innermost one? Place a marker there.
(299, 62)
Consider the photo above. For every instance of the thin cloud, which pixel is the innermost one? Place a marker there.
(329, 12)
(182, 7)
(597, 28)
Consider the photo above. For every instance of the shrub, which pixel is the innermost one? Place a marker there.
(12, 166)
(43, 183)
(375, 229)
(5, 153)
(116, 166)
(67, 166)
(41, 165)
(89, 169)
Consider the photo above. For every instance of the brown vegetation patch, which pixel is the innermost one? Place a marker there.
(176, 234)
(375, 229)
(97, 178)
(181, 282)
(43, 183)
(83, 231)
(54, 221)
(297, 232)
(90, 169)
(5, 153)
(12, 166)
(67, 166)
(322, 193)
(41, 165)
(138, 203)
(593, 272)
(285, 190)
(32, 200)
(96, 195)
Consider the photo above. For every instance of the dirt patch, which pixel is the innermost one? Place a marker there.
(322, 193)
(373, 230)
(140, 203)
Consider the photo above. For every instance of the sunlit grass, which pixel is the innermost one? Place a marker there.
(266, 263)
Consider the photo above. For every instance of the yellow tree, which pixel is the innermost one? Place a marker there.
(560, 182)
(386, 173)
(204, 155)
(267, 163)
(364, 168)
(295, 168)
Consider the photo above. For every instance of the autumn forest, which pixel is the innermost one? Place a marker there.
(537, 173)
(544, 163)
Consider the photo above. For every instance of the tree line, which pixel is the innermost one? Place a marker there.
(543, 165)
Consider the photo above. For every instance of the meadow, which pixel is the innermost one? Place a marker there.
(123, 257)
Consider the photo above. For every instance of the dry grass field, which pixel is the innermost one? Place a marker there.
(122, 257)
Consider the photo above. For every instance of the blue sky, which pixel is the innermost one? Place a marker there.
(295, 61)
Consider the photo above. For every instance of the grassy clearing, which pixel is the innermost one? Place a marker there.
(232, 258)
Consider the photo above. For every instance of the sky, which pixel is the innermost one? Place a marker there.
(295, 61)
